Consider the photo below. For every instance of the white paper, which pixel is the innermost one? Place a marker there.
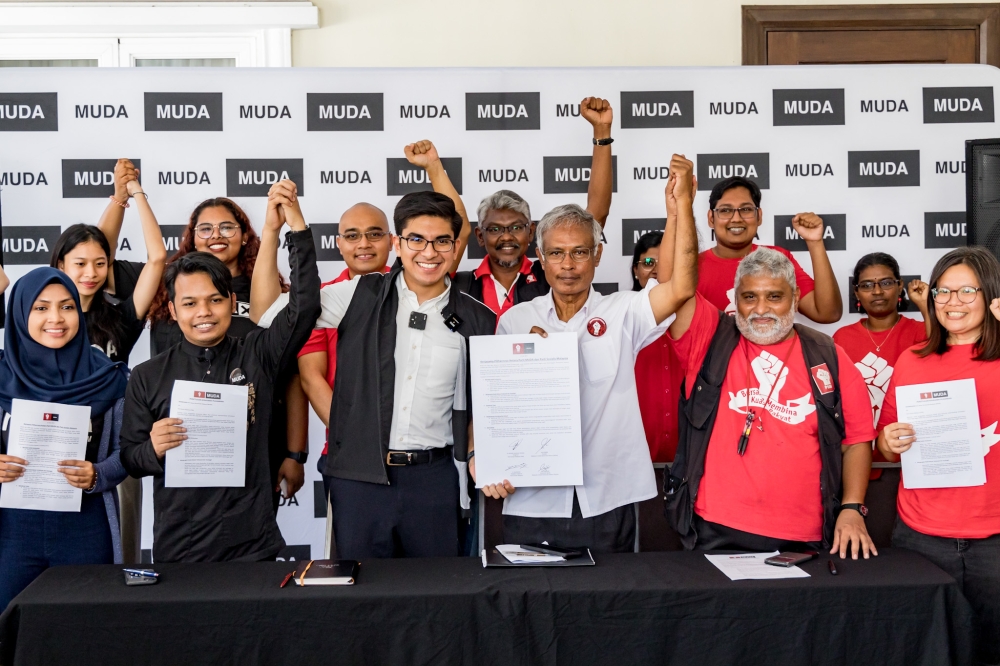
(948, 450)
(526, 397)
(751, 566)
(215, 453)
(517, 555)
(43, 433)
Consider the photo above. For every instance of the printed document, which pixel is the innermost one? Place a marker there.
(751, 566)
(43, 433)
(215, 453)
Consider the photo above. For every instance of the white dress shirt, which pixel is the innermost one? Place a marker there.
(430, 364)
(617, 470)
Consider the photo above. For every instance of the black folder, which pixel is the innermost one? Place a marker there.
(493, 558)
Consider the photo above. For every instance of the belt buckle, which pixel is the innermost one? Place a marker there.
(388, 458)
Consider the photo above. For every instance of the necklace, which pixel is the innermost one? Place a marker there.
(878, 348)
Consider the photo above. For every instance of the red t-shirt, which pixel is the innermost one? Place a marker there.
(716, 278)
(773, 489)
(956, 513)
(658, 376)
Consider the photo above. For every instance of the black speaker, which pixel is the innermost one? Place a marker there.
(982, 193)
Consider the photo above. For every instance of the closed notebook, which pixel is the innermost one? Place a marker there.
(326, 572)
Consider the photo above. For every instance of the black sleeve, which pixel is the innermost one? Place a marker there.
(137, 453)
(292, 326)
(126, 276)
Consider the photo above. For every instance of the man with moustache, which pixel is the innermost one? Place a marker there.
(775, 427)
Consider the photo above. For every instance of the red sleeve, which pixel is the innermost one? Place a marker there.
(804, 281)
(856, 404)
(692, 347)
(888, 414)
(316, 343)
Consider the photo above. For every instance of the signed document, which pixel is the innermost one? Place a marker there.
(215, 453)
(948, 451)
(526, 405)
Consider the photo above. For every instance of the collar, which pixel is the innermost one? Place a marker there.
(406, 293)
(485, 269)
(204, 353)
(592, 299)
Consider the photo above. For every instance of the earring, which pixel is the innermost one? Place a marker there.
(859, 306)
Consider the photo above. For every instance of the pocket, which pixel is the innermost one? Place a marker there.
(599, 359)
(443, 370)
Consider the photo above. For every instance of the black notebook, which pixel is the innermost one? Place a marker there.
(326, 572)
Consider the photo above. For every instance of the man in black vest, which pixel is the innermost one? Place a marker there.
(400, 417)
(775, 425)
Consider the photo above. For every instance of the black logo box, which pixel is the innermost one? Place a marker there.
(665, 108)
(29, 246)
(958, 105)
(808, 107)
(713, 167)
(183, 112)
(344, 112)
(635, 228)
(172, 236)
(908, 306)
(503, 111)
(326, 240)
(402, 177)
(254, 177)
(834, 233)
(476, 251)
(29, 112)
(90, 179)
(566, 175)
(945, 230)
(883, 168)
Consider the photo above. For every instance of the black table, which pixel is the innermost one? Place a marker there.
(629, 609)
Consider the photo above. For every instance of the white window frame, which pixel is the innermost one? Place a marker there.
(256, 34)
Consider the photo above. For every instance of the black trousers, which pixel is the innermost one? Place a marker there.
(610, 532)
(713, 536)
(416, 515)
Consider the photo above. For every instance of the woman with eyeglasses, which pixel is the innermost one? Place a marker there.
(957, 528)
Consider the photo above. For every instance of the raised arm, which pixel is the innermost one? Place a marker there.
(918, 290)
(823, 305)
(156, 253)
(423, 154)
(665, 260)
(668, 296)
(598, 113)
(114, 213)
(265, 286)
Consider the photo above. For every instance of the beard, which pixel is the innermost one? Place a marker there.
(776, 331)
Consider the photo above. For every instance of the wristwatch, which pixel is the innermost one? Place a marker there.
(860, 508)
(298, 456)
(604, 142)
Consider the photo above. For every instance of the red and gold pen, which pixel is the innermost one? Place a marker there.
(288, 577)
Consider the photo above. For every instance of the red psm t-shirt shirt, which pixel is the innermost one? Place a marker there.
(716, 278)
(773, 489)
(957, 513)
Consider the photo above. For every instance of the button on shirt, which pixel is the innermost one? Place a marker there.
(427, 364)
(616, 466)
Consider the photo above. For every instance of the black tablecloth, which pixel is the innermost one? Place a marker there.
(629, 609)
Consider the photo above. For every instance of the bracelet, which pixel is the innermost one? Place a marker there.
(94, 484)
(472, 454)
(123, 205)
(142, 193)
(604, 142)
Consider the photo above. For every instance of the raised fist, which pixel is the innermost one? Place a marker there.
(421, 154)
(917, 290)
(809, 226)
(598, 113)
(125, 171)
(770, 372)
(682, 177)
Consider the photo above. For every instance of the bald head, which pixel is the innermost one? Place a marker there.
(362, 216)
(362, 254)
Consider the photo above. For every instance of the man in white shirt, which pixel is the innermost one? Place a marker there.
(399, 423)
(611, 330)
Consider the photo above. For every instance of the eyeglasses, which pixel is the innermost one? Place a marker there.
(965, 294)
(496, 230)
(649, 263)
(746, 212)
(886, 284)
(579, 255)
(417, 244)
(226, 229)
(355, 236)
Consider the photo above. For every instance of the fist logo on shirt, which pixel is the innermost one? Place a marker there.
(771, 375)
(596, 327)
(876, 372)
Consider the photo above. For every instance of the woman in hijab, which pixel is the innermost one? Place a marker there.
(47, 357)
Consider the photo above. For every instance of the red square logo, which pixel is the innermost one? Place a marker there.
(50, 417)
(926, 396)
(824, 380)
(199, 394)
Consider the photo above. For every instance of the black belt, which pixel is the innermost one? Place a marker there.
(404, 458)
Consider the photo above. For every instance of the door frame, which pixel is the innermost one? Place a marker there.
(758, 20)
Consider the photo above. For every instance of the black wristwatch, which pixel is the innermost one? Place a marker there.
(860, 508)
(604, 142)
(298, 456)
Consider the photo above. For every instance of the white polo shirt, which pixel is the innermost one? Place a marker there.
(611, 330)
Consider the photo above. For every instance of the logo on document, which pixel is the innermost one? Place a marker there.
(933, 394)
(50, 417)
(824, 380)
(524, 348)
(597, 327)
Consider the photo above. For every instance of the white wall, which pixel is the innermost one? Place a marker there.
(524, 33)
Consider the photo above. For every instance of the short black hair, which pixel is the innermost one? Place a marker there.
(433, 204)
(198, 262)
(646, 242)
(727, 184)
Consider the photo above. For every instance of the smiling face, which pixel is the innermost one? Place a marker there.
(878, 302)
(54, 319)
(226, 250)
(765, 308)
(429, 266)
(362, 255)
(736, 234)
(568, 277)
(87, 265)
(643, 272)
(963, 321)
(201, 312)
(509, 246)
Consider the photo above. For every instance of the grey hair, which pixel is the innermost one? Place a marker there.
(567, 215)
(765, 261)
(503, 200)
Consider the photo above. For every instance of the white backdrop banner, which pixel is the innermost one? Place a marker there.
(877, 151)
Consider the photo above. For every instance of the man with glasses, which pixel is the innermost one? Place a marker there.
(734, 216)
(611, 330)
(399, 418)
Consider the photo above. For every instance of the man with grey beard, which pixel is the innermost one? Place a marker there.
(775, 426)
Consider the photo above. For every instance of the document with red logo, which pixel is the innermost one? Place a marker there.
(44, 433)
(948, 450)
(526, 401)
(215, 453)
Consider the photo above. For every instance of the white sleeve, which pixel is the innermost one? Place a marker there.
(504, 326)
(644, 329)
(335, 298)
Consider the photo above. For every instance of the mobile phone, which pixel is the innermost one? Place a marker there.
(790, 559)
(132, 578)
(568, 553)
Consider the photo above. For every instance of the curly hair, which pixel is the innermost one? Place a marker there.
(158, 310)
